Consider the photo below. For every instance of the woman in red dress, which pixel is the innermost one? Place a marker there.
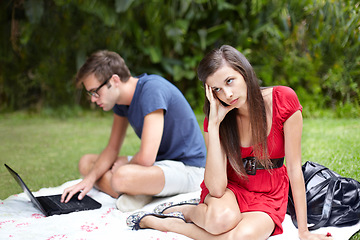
(248, 132)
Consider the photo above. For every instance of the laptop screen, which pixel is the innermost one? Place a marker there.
(25, 189)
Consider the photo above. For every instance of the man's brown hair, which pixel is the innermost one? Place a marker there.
(104, 64)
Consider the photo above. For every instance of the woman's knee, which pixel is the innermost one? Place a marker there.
(249, 227)
(221, 220)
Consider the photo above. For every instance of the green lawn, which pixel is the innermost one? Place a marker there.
(45, 151)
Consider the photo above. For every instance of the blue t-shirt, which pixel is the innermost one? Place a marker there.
(182, 139)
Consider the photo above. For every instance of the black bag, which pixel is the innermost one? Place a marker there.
(332, 200)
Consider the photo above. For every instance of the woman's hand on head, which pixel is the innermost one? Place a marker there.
(217, 110)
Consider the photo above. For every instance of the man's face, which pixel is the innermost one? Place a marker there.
(101, 94)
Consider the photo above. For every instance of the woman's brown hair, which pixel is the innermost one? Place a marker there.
(229, 133)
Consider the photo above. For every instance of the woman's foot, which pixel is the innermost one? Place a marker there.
(175, 207)
(135, 222)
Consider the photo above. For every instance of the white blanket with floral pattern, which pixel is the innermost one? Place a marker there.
(19, 219)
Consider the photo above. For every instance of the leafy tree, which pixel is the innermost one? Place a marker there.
(311, 46)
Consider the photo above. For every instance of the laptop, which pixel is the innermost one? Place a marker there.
(51, 205)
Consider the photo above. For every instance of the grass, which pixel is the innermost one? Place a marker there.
(45, 150)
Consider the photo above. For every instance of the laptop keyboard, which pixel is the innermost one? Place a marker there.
(71, 204)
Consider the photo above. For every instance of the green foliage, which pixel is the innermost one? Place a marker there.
(312, 46)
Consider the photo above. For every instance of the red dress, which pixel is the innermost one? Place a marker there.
(267, 191)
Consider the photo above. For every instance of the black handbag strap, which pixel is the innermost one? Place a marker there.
(313, 170)
(312, 192)
(326, 211)
(309, 195)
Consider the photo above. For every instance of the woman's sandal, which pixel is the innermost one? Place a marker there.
(133, 221)
(162, 207)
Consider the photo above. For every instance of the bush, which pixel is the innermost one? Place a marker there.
(311, 46)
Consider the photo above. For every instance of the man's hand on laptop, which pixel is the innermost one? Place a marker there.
(84, 186)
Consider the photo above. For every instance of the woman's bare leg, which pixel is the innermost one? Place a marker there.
(247, 228)
(216, 218)
(215, 215)
(176, 225)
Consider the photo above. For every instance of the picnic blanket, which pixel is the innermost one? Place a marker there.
(19, 219)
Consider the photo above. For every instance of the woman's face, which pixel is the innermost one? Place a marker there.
(229, 86)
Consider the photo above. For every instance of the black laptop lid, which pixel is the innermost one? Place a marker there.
(26, 189)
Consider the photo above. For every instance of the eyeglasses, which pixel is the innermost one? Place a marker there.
(94, 93)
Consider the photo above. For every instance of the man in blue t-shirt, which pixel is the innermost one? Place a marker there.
(171, 158)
